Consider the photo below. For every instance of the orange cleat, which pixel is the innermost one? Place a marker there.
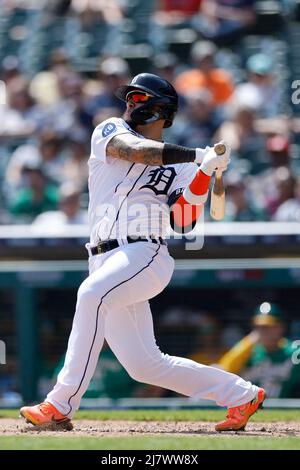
(45, 414)
(238, 417)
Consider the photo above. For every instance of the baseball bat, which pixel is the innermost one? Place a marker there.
(217, 201)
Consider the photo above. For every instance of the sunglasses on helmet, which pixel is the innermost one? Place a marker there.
(138, 97)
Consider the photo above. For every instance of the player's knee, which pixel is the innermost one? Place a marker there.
(95, 293)
(146, 371)
(88, 294)
(139, 375)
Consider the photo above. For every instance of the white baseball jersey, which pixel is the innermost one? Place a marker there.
(129, 198)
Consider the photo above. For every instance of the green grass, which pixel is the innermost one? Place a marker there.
(147, 443)
(266, 416)
(184, 442)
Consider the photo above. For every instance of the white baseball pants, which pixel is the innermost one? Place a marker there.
(112, 303)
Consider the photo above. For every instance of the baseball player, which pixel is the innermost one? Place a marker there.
(135, 182)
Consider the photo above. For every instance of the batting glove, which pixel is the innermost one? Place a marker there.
(200, 154)
(212, 162)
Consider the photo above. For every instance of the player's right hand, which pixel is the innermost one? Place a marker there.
(212, 162)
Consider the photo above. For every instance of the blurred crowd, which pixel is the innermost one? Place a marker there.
(234, 84)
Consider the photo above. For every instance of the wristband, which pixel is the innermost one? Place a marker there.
(195, 199)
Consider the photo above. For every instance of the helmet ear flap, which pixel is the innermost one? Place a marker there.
(168, 113)
(169, 120)
(145, 114)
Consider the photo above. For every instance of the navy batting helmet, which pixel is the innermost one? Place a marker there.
(164, 99)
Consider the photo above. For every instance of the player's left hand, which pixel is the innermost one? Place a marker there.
(200, 154)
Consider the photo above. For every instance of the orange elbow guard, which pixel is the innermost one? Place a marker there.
(184, 214)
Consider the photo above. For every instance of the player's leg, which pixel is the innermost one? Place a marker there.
(129, 333)
(136, 272)
(84, 346)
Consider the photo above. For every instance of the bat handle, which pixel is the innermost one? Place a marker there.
(220, 149)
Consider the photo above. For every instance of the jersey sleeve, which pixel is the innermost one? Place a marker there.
(103, 133)
(185, 175)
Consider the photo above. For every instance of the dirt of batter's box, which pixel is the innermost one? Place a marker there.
(90, 428)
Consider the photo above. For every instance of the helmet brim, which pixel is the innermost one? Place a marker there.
(123, 91)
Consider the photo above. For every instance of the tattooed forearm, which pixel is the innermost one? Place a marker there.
(127, 147)
(148, 152)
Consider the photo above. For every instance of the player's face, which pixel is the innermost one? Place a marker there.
(134, 100)
(269, 335)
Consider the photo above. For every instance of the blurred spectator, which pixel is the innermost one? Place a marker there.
(92, 10)
(20, 116)
(165, 65)
(59, 60)
(260, 90)
(289, 211)
(36, 196)
(75, 168)
(114, 72)
(265, 185)
(10, 68)
(47, 154)
(176, 12)
(285, 190)
(44, 86)
(58, 7)
(69, 113)
(205, 74)
(240, 206)
(265, 355)
(225, 20)
(241, 134)
(199, 122)
(278, 147)
(69, 211)
(101, 17)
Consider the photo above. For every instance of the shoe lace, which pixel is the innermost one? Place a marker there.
(45, 409)
(232, 412)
